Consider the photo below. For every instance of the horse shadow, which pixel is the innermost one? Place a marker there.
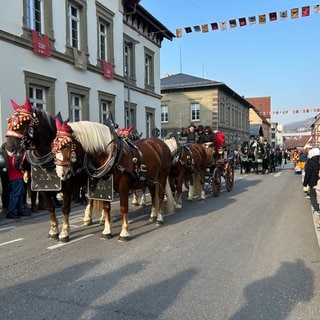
(274, 297)
(91, 290)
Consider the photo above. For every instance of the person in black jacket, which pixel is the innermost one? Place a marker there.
(311, 177)
(191, 133)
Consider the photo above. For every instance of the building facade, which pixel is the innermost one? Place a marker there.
(82, 58)
(187, 99)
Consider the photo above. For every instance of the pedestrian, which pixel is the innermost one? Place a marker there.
(311, 177)
(191, 133)
(16, 207)
(282, 158)
(5, 183)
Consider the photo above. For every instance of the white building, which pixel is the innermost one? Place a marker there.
(82, 58)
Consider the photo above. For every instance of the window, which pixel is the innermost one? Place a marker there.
(107, 105)
(149, 69)
(34, 15)
(129, 59)
(41, 91)
(75, 108)
(76, 26)
(103, 41)
(195, 112)
(37, 96)
(150, 124)
(130, 115)
(37, 15)
(78, 98)
(164, 114)
(105, 33)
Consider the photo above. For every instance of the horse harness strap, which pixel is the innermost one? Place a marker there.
(140, 171)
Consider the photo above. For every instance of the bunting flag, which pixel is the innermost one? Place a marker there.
(290, 112)
(243, 21)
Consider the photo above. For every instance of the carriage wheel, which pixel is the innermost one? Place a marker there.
(229, 176)
(216, 182)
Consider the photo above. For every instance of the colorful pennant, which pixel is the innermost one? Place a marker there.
(261, 19)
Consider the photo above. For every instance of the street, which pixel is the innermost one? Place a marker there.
(251, 253)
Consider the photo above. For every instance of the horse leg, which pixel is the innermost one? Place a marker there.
(143, 201)
(191, 188)
(135, 198)
(107, 232)
(64, 235)
(158, 204)
(124, 205)
(154, 212)
(87, 219)
(54, 223)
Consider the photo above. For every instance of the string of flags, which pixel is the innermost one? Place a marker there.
(294, 13)
(293, 111)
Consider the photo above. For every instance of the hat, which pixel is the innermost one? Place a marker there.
(200, 127)
(192, 125)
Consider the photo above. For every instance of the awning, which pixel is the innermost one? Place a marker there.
(256, 130)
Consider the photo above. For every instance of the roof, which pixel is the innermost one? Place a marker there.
(181, 80)
(297, 143)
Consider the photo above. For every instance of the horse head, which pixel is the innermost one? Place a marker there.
(68, 151)
(29, 128)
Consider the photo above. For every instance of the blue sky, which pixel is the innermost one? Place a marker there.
(278, 59)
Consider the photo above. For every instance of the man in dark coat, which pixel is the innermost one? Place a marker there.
(191, 134)
(311, 176)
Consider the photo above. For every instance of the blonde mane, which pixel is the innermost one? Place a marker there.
(94, 137)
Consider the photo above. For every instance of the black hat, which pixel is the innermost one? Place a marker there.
(192, 125)
(200, 127)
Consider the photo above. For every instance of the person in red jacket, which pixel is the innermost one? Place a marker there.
(16, 207)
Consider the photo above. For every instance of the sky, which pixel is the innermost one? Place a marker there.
(277, 59)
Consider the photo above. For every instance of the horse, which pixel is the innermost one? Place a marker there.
(244, 160)
(259, 154)
(31, 130)
(189, 162)
(130, 166)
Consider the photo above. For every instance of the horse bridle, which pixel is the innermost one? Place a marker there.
(16, 121)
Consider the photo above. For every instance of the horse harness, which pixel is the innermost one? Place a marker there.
(187, 163)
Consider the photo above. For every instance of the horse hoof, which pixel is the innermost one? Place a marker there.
(152, 219)
(123, 239)
(53, 236)
(159, 223)
(64, 240)
(87, 223)
(106, 236)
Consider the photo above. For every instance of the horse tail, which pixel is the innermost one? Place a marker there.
(97, 205)
(170, 199)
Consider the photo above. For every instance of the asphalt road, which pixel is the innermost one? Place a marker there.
(251, 253)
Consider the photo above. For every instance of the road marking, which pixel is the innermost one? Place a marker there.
(59, 245)
(278, 174)
(6, 228)
(12, 241)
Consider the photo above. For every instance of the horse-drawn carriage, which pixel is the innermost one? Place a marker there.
(219, 165)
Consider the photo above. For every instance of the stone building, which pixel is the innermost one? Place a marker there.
(188, 99)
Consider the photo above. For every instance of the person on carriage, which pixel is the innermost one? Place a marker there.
(200, 130)
(191, 134)
(229, 154)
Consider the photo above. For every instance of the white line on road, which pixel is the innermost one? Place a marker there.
(12, 241)
(59, 245)
(6, 228)
(278, 174)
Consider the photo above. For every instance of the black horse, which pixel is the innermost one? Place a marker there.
(245, 157)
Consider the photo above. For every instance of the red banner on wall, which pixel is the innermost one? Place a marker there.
(41, 43)
(107, 70)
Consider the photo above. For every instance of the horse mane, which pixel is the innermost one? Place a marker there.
(45, 119)
(94, 137)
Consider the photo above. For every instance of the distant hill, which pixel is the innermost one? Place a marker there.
(299, 126)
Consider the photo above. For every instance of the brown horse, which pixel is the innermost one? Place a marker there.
(31, 130)
(189, 162)
(108, 156)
